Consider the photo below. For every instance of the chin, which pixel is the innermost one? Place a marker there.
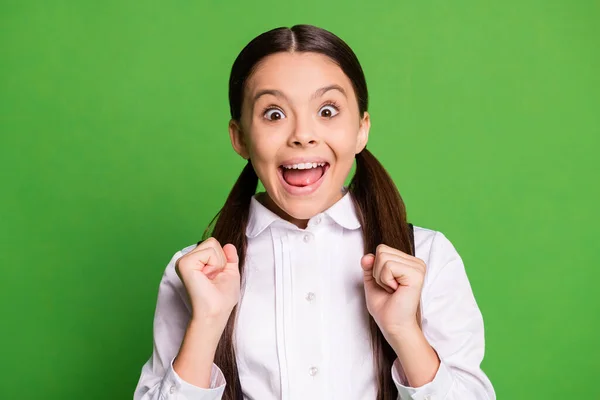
(301, 202)
(306, 207)
(302, 210)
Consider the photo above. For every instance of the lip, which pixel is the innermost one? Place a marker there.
(304, 190)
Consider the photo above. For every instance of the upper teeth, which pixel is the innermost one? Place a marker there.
(304, 165)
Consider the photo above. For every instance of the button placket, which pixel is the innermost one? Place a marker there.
(308, 312)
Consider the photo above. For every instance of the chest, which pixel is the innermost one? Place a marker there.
(302, 324)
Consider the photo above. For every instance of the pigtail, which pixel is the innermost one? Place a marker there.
(383, 219)
(230, 227)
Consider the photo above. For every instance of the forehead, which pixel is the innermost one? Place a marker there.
(298, 73)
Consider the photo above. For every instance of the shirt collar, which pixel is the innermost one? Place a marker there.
(342, 212)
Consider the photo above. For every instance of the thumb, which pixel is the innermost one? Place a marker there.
(231, 254)
(366, 262)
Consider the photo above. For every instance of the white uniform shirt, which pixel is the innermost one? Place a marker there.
(302, 331)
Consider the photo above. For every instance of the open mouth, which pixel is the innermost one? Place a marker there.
(303, 178)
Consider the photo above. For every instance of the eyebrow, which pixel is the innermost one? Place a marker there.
(320, 92)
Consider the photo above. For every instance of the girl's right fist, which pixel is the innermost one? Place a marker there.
(211, 278)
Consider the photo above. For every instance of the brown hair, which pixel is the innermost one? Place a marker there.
(378, 203)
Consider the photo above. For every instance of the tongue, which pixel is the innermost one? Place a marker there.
(302, 177)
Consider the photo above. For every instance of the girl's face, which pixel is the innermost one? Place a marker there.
(301, 129)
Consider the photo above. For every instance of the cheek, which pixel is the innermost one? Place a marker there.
(263, 150)
(263, 144)
(343, 140)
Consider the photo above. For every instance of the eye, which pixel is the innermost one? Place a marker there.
(273, 114)
(329, 111)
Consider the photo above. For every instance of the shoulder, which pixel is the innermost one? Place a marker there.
(171, 291)
(429, 240)
(170, 275)
(436, 249)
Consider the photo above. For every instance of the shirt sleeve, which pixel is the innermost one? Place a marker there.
(453, 326)
(158, 379)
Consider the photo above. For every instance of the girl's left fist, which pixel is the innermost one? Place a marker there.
(393, 282)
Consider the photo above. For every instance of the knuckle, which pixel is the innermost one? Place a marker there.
(380, 247)
(213, 241)
(387, 265)
(377, 276)
(217, 253)
(181, 265)
(385, 257)
(419, 265)
(207, 242)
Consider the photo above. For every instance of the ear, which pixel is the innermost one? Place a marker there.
(237, 139)
(363, 132)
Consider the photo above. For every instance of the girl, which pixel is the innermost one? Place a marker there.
(312, 290)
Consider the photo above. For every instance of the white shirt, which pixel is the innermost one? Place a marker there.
(302, 329)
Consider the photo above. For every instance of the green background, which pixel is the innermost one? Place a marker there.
(114, 154)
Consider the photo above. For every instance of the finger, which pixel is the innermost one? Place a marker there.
(379, 274)
(231, 254)
(208, 260)
(403, 275)
(402, 257)
(211, 272)
(177, 268)
(382, 248)
(380, 260)
(199, 260)
(232, 257)
(212, 243)
(366, 262)
(186, 264)
(387, 278)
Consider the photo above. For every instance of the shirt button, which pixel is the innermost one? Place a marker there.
(172, 389)
(318, 220)
(307, 238)
(310, 296)
(313, 371)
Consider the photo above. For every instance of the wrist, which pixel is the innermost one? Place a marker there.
(405, 337)
(210, 320)
(418, 358)
(209, 329)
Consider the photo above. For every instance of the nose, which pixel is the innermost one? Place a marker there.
(303, 135)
